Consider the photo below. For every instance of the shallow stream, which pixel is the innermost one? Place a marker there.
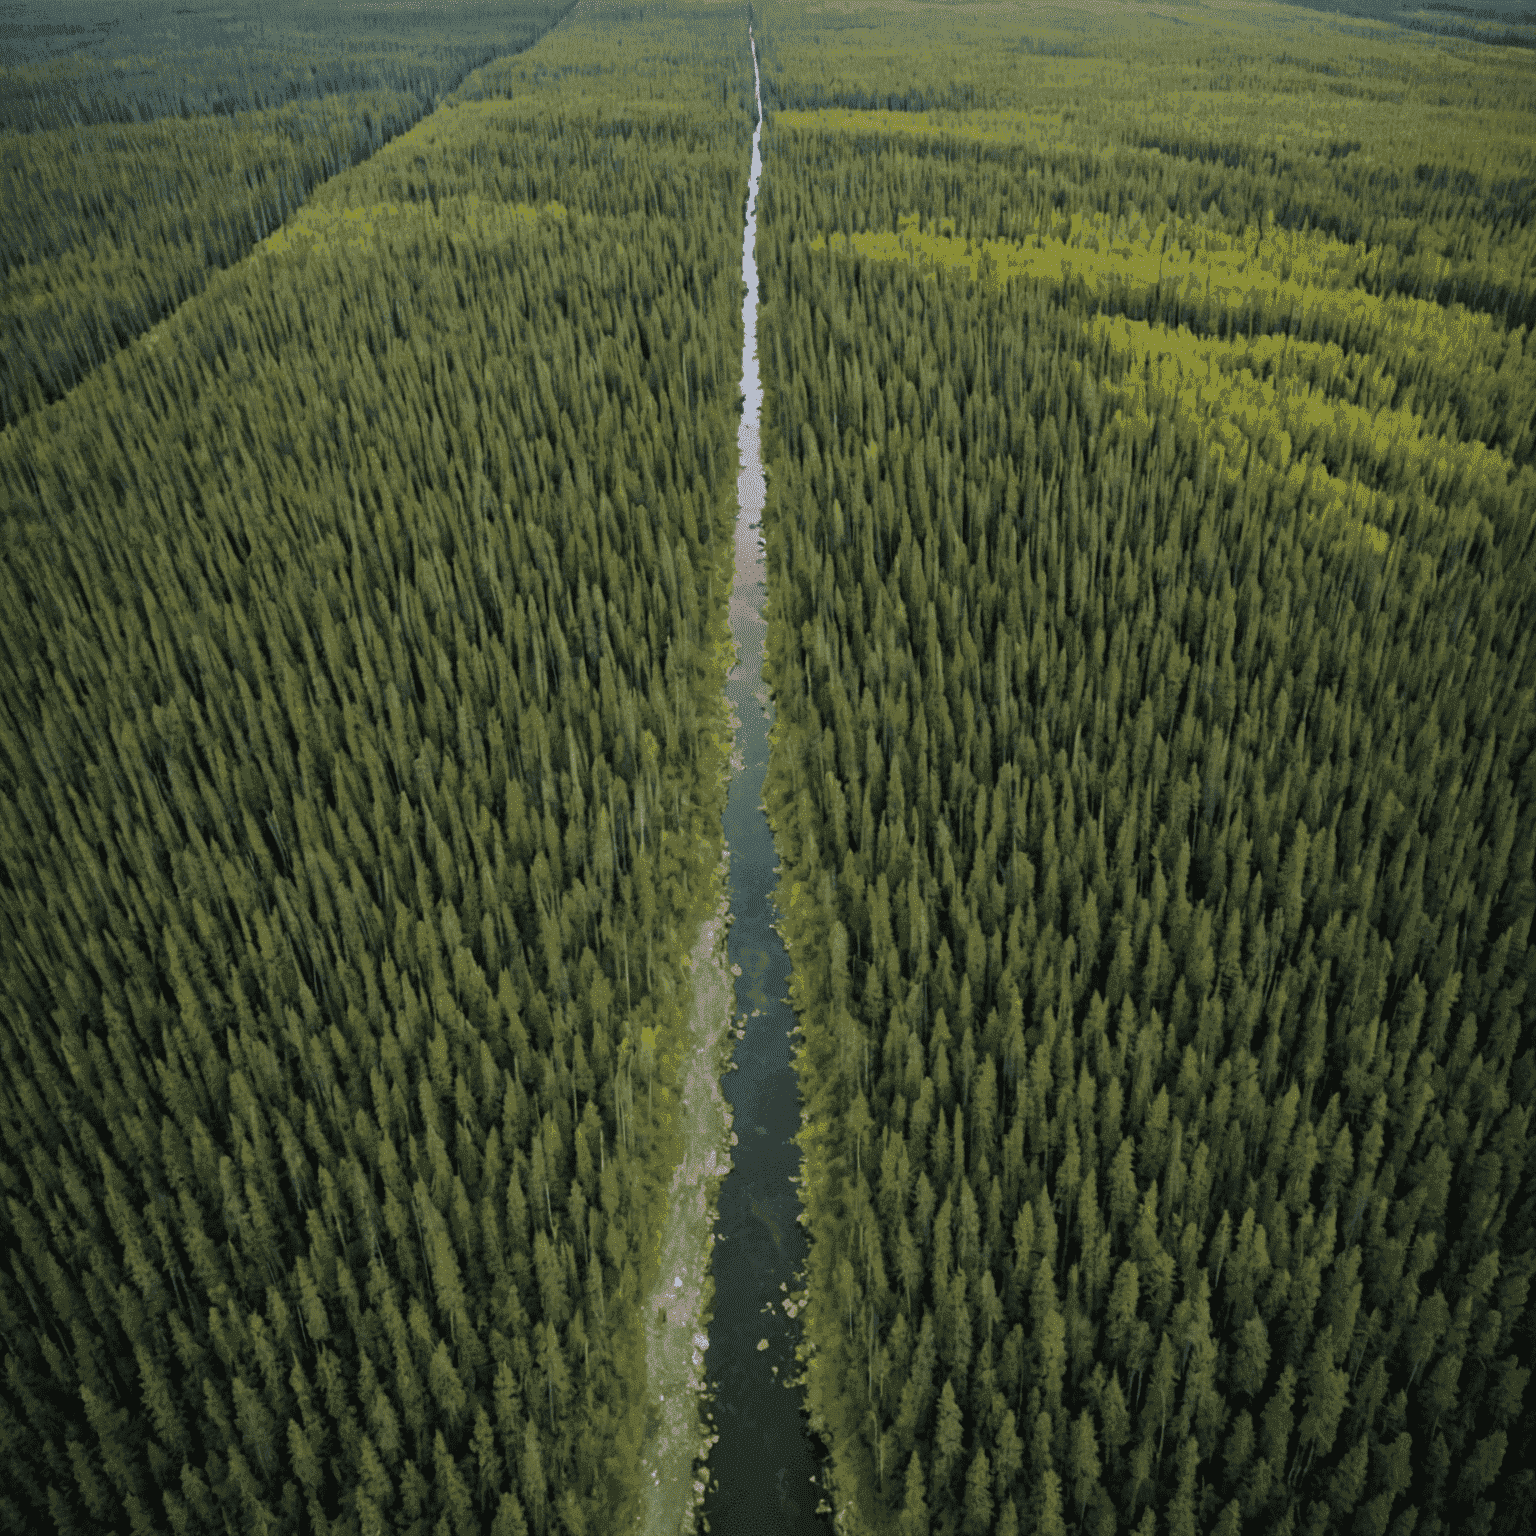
(763, 1468)
(720, 1330)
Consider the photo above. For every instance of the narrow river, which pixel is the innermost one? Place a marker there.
(763, 1467)
(719, 1330)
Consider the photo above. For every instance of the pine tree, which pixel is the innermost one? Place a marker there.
(1250, 1358)
(1160, 1392)
(509, 1519)
(1277, 1421)
(914, 1519)
(977, 1519)
(1326, 1395)
(531, 1468)
(445, 1384)
(948, 1437)
(1049, 1520)
(1083, 1461)
(487, 1458)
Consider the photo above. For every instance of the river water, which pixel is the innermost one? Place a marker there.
(763, 1467)
(719, 1324)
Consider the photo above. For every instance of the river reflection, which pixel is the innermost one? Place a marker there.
(763, 1469)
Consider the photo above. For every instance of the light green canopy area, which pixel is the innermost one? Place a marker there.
(1151, 528)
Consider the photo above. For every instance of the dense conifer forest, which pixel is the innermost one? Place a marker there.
(1152, 582)
(1150, 437)
(361, 766)
(134, 170)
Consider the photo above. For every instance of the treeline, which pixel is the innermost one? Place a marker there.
(1500, 29)
(169, 61)
(362, 757)
(1312, 125)
(128, 182)
(1442, 234)
(1157, 867)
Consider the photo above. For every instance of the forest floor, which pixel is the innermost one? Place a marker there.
(678, 1313)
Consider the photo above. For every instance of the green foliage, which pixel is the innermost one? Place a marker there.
(137, 168)
(363, 663)
(1154, 726)
(1150, 542)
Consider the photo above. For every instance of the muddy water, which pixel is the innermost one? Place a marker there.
(763, 1467)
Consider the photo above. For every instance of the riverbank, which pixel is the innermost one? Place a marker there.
(678, 1309)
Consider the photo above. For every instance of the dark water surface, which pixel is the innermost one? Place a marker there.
(762, 1470)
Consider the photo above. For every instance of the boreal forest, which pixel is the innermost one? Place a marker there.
(1148, 416)
(360, 748)
(1152, 594)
